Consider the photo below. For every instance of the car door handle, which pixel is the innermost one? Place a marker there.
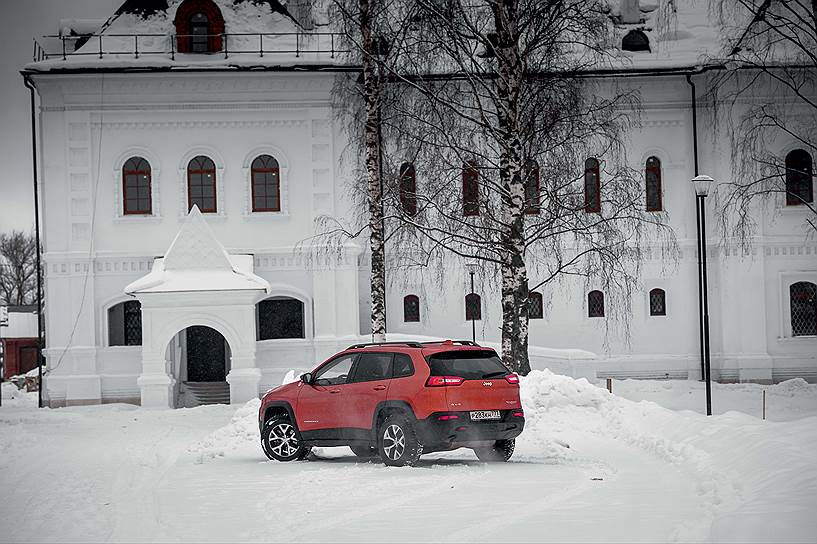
(333, 391)
(379, 387)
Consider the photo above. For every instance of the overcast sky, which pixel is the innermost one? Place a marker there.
(24, 20)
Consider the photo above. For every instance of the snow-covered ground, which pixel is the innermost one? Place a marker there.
(634, 471)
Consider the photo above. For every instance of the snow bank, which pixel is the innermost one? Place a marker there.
(242, 431)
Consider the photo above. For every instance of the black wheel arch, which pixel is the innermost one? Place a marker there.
(387, 408)
(278, 407)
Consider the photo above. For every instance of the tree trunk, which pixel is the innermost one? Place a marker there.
(514, 271)
(371, 97)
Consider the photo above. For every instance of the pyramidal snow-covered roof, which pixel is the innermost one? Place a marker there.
(196, 261)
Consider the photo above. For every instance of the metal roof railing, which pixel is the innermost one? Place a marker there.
(229, 44)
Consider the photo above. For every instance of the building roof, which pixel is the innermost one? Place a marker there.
(196, 261)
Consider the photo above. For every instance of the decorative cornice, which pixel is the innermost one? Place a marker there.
(152, 125)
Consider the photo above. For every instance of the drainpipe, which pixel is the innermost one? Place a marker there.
(31, 88)
(702, 246)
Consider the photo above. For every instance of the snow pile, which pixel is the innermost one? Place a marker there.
(242, 431)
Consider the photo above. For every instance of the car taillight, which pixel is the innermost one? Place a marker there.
(442, 381)
(447, 417)
(512, 378)
(520, 413)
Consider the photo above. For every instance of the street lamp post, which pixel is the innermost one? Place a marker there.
(702, 185)
(472, 269)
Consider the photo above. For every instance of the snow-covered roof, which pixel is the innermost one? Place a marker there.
(22, 322)
(196, 261)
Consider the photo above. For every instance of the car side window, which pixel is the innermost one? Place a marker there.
(371, 367)
(335, 372)
(402, 366)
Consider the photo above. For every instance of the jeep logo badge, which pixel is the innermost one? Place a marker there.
(487, 384)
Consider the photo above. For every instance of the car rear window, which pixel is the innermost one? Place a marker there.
(470, 364)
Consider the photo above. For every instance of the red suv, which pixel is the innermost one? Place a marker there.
(398, 401)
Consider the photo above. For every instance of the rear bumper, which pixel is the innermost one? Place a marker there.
(436, 434)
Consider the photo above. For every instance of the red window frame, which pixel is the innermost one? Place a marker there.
(470, 189)
(215, 23)
(592, 186)
(532, 187)
(408, 188)
(799, 176)
(411, 315)
(258, 168)
(136, 171)
(652, 185)
(191, 172)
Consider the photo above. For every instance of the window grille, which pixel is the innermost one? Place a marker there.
(658, 302)
(803, 300)
(411, 309)
(595, 304)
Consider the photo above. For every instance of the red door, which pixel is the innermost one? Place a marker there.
(366, 389)
(319, 405)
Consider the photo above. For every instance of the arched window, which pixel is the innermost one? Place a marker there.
(595, 304)
(280, 317)
(125, 324)
(408, 189)
(592, 186)
(803, 300)
(535, 309)
(531, 174)
(799, 175)
(470, 189)
(199, 27)
(411, 309)
(266, 184)
(136, 198)
(652, 178)
(635, 40)
(473, 307)
(201, 184)
(658, 302)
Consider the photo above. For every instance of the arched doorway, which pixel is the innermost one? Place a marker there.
(200, 357)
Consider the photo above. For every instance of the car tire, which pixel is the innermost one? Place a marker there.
(364, 452)
(500, 452)
(281, 441)
(397, 442)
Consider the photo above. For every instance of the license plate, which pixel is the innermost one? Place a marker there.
(484, 414)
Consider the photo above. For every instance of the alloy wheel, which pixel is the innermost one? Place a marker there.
(394, 442)
(282, 440)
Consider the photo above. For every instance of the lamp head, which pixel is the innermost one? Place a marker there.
(702, 185)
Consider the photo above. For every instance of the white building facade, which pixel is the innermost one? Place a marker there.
(151, 303)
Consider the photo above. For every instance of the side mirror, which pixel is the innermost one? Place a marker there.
(307, 378)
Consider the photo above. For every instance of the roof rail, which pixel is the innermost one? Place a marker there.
(460, 342)
(409, 344)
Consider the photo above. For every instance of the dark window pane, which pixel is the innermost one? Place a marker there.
(133, 323)
(265, 184)
(535, 309)
(652, 174)
(402, 366)
(531, 174)
(136, 186)
(408, 189)
(372, 367)
(799, 176)
(473, 307)
(470, 189)
(592, 186)
(803, 300)
(471, 364)
(595, 304)
(335, 372)
(280, 318)
(658, 302)
(411, 308)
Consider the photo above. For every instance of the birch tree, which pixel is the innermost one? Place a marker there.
(769, 92)
(493, 90)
